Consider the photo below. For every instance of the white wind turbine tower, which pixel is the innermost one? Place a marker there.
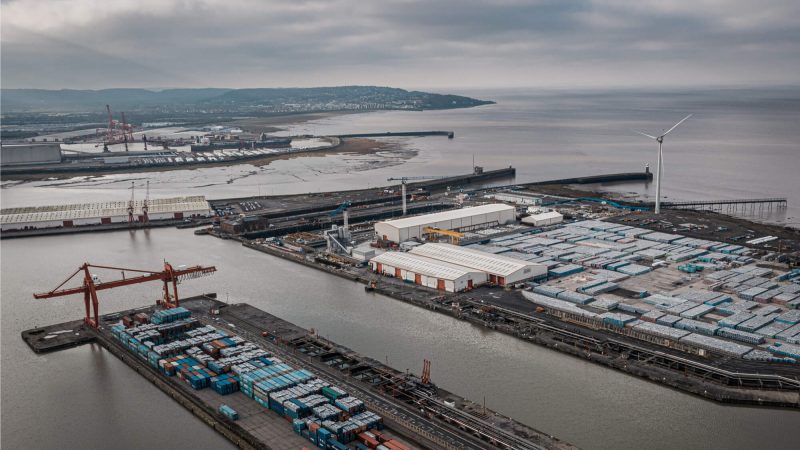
(659, 168)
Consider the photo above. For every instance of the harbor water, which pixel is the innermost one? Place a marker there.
(739, 143)
(85, 398)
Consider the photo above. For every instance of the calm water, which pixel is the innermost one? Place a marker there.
(85, 398)
(739, 144)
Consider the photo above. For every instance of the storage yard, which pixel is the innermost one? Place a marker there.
(266, 383)
(723, 305)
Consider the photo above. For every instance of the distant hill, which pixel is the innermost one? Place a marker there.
(228, 100)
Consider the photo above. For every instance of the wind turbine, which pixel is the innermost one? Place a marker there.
(659, 168)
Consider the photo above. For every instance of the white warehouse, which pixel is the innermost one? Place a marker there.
(501, 270)
(543, 219)
(428, 272)
(400, 230)
(102, 213)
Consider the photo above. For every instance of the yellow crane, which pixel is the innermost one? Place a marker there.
(455, 236)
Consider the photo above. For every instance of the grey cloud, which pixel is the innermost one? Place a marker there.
(409, 43)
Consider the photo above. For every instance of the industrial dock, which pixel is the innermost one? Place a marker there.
(714, 318)
(203, 353)
(688, 305)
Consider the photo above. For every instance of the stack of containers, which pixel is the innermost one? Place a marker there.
(141, 318)
(225, 384)
(651, 316)
(213, 348)
(734, 320)
(632, 308)
(574, 297)
(314, 400)
(351, 405)
(772, 329)
(170, 315)
(176, 344)
(790, 350)
(616, 319)
(756, 322)
(345, 431)
(327, 412)
(738, 335)
(550, 291)
(370, 419)
(696, 326)
(323, 437)
(197, 376)
(170, 366)
(333, 392)
(250, 379)
(295, 409)
(789, 333)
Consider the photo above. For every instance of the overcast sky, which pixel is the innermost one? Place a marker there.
(93, 44)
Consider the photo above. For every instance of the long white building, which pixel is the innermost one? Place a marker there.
(400, 230)
(501, 270)
(101, 213)
(428, 272)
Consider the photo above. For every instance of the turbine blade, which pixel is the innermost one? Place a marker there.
(645, 134)
(676, 125)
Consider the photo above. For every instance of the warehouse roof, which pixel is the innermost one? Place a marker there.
(448, 215)
(545, 216)
(100, 209)
(476, 259)
(548, 215)
(422, 265)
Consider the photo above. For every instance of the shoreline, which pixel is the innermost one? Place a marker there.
(359, 146)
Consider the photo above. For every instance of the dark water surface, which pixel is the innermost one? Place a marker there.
(86, 398)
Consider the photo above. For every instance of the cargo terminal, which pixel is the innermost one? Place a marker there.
(602, 273)
(710, 317)
(552, 265)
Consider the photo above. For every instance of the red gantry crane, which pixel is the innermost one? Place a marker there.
(91, 284)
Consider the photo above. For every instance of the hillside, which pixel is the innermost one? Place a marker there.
(228, 100)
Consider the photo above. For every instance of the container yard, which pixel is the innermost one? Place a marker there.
(266, 383)
(655, 303)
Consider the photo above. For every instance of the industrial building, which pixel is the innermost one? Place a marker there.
(428, 272)
(102, 213)
(501, 270)
(518, 198)
(543, 219)
(20, 154)
(464, 219)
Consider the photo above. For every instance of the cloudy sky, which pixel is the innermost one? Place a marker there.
(94, 44)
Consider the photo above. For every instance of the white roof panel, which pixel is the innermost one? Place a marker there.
(100, 209)
(475, 259)
(448, 215)
(422, 265)
(547, 215)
